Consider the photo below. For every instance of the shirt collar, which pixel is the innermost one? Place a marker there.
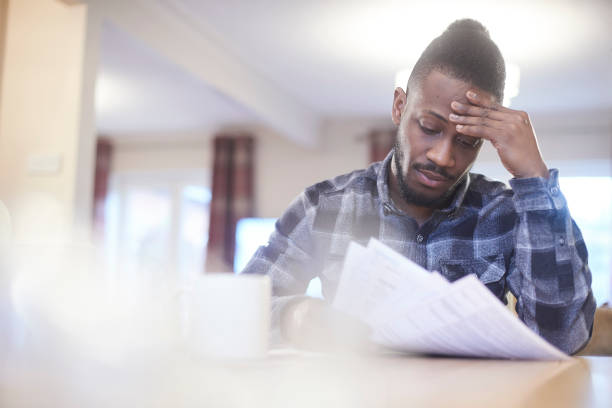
(383, 188)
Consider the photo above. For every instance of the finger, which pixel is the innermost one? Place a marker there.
(489, 102)
(482, 132)
(475, 120)
(472, 110)
(485, 101)
(509, 116)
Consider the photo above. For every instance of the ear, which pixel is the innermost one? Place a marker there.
(399, 103)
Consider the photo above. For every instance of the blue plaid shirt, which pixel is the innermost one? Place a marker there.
(520, 239)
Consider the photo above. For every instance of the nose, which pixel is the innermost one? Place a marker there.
(441, 153)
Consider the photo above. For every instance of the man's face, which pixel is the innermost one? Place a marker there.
(430, 158)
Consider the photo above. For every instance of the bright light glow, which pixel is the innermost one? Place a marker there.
(589, 200)
(401, 78)
(197, 194)
(395, 33)
(251, 233)
(513, 82)
(109, 93)
(117, 96)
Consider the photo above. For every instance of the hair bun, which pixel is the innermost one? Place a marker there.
(467, 24)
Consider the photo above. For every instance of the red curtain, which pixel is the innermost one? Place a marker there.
(381, 142)
(232, 198)
(104, 155)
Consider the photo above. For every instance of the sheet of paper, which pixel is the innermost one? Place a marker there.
(354, 279)
(467, 320)
(416, 311)
(408, 296)
(371, 275)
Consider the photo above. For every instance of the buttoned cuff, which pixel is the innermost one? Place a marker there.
(538, 193)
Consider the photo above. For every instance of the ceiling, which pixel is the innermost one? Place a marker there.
(139, 92)
(339, 58)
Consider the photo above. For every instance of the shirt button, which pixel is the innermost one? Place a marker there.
(554, 190)
(419, 238)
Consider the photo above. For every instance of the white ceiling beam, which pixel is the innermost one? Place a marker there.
(192, 48)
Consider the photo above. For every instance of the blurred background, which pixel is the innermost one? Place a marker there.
(175, 132)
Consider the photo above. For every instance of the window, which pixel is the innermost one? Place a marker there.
(590, 202)
(251, 233)
(156, 227)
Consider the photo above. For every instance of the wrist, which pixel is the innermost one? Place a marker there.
(540, 171)
(298, 317)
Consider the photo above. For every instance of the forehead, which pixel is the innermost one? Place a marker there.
(439, 90)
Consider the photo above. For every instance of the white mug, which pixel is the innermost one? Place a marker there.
(228, 316)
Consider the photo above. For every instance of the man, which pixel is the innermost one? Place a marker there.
(423, 202)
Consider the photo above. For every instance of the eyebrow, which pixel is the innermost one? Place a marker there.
(437, 115)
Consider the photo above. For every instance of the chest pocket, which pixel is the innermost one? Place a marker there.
(490, 271)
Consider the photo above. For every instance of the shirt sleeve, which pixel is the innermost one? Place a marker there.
(288, 257)
(549, 274)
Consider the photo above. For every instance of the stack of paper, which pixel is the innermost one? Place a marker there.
(413, 310)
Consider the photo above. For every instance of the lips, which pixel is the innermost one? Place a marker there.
(430, 178)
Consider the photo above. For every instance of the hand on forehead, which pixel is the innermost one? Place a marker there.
(438, 90)
(509, 131)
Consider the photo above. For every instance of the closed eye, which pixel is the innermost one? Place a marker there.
(428, 131)
(468, 142)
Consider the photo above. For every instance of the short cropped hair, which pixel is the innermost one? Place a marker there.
(464, 51)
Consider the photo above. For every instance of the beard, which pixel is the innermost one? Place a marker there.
(413, 197)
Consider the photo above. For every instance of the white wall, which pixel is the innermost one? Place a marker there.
(159, 156)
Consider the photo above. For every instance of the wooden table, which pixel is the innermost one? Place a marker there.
(36, 378)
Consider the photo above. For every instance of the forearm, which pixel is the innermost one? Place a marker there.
(311, 323)
(287, 284)
(550, 276)
(288, 260)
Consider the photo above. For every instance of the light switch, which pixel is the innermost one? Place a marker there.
(44, 163)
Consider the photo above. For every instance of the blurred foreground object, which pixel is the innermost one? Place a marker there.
(312, 324)
(228, 316)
